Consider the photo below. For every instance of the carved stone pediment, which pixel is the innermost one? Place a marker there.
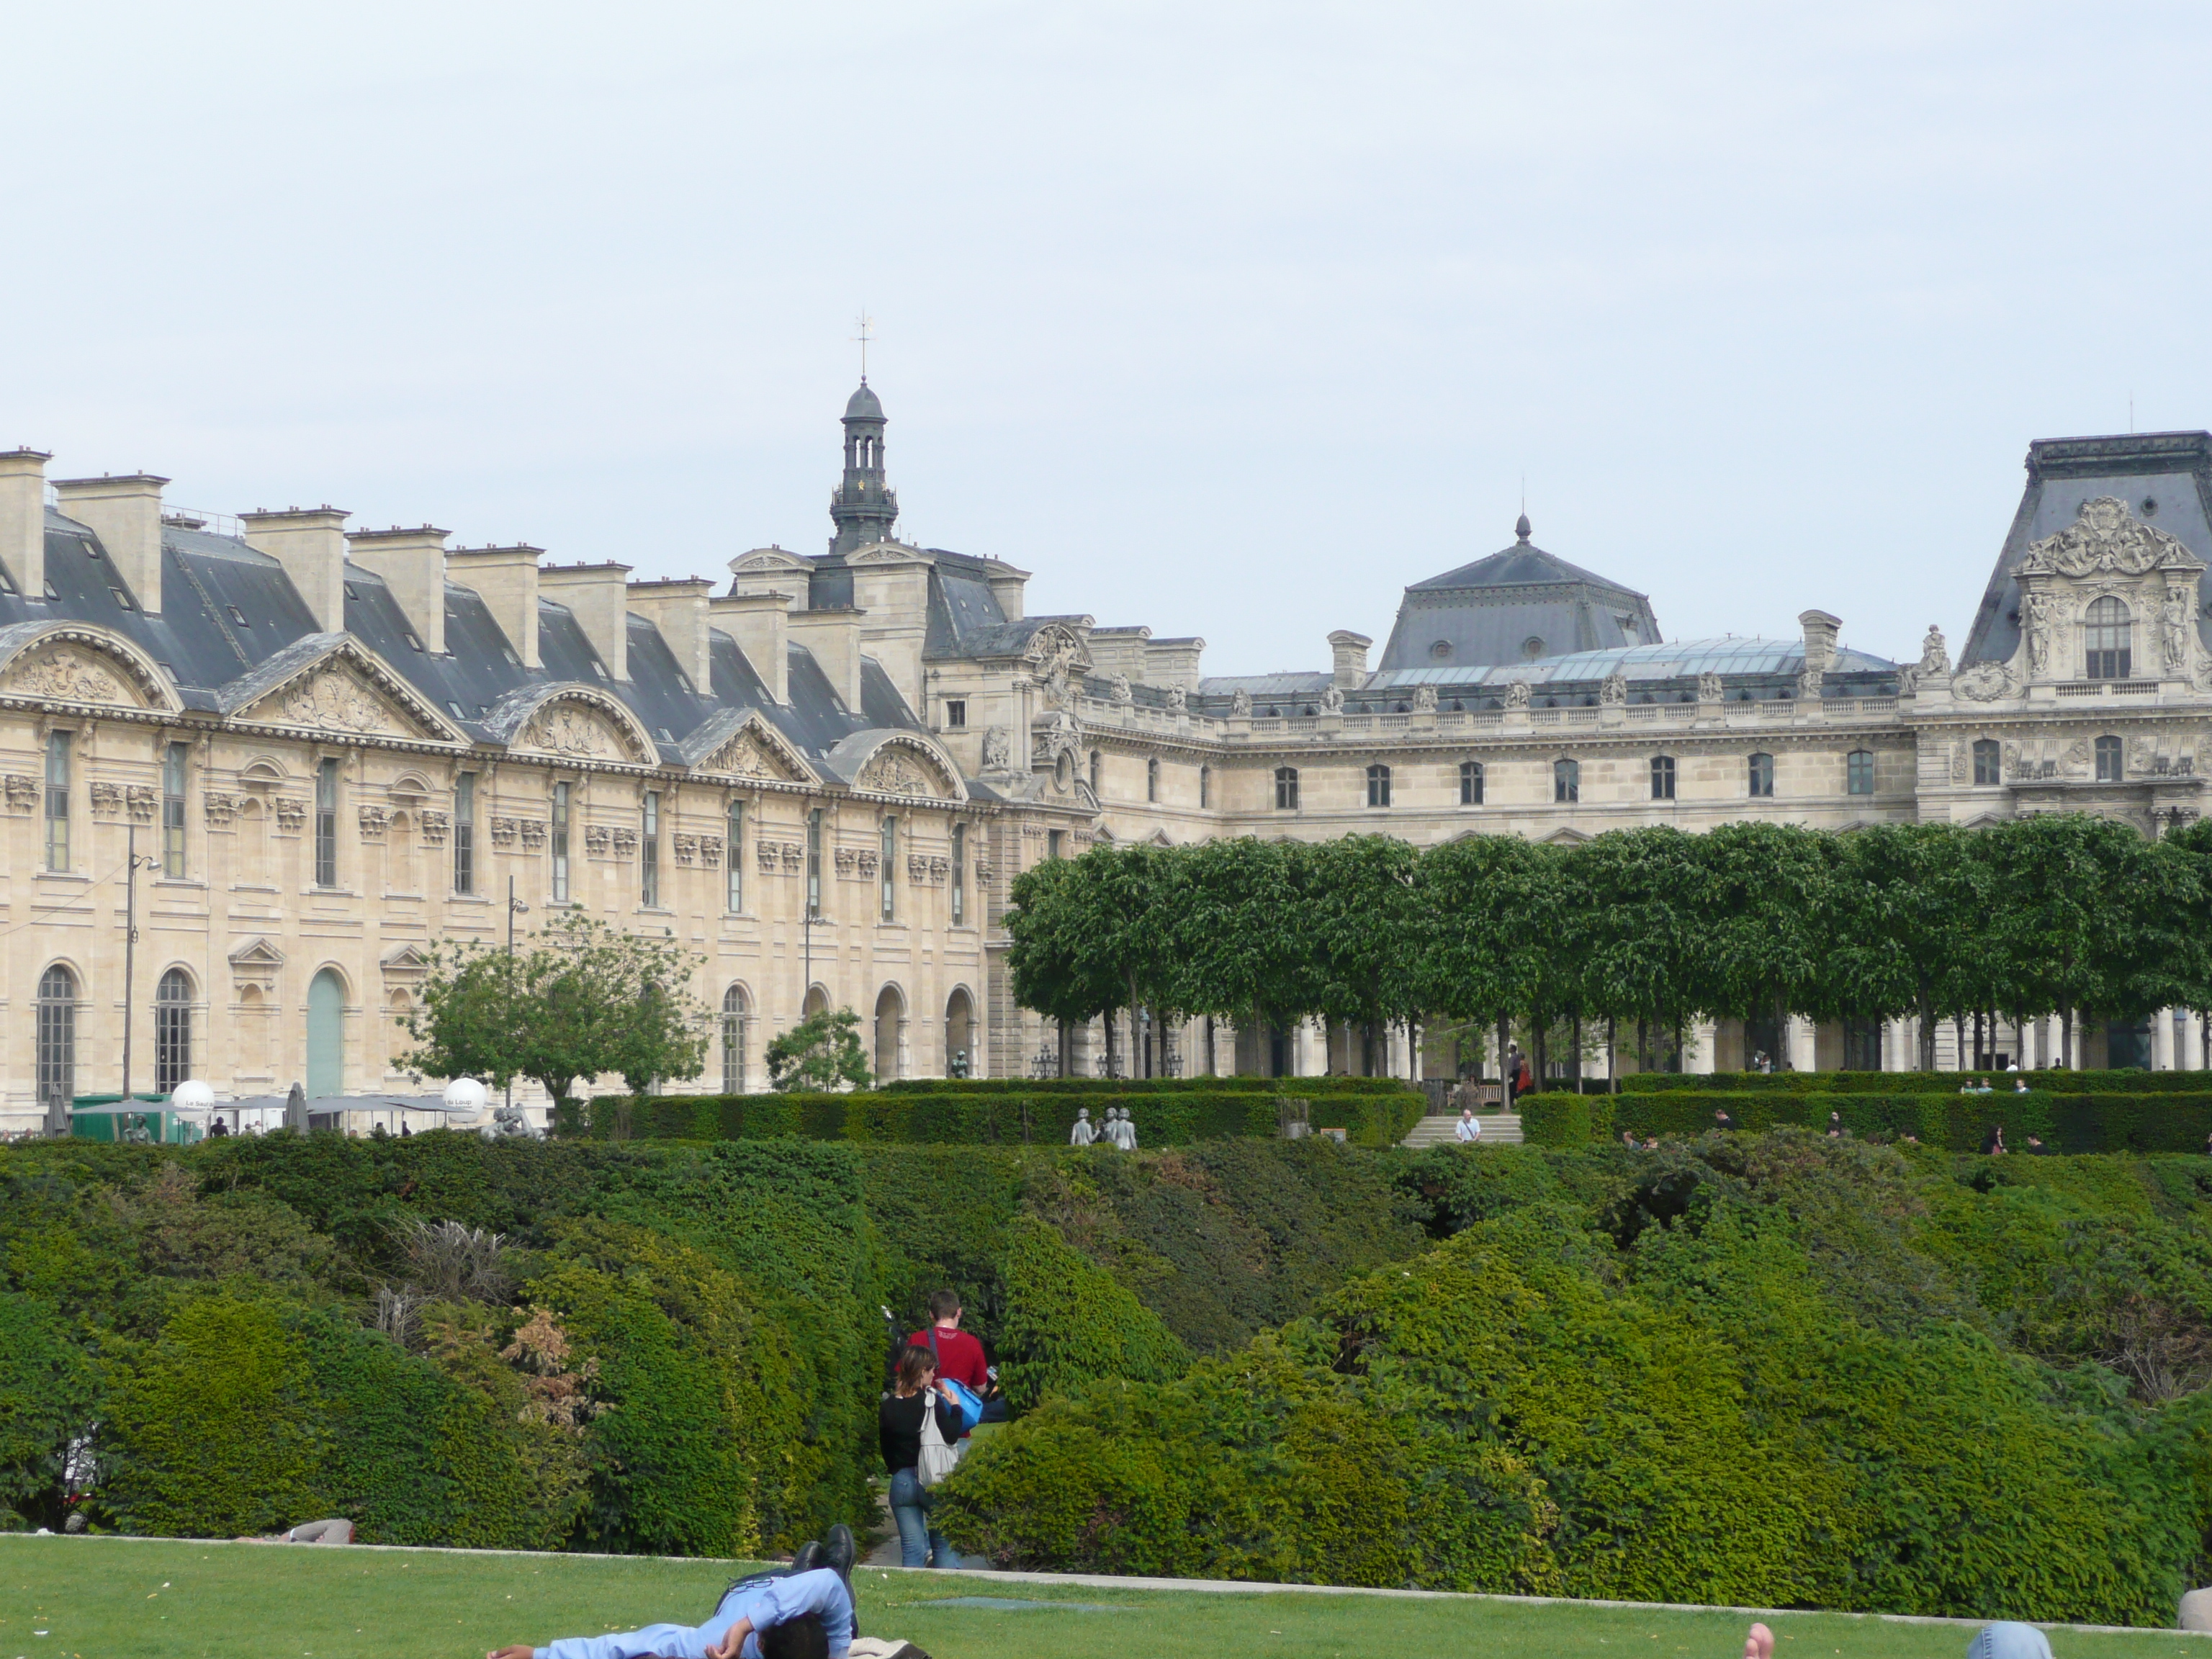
(256, 962)
(406, 965)
(1986, 682)
(335, 697)
(895, 769)
(1056, 649)
(65, 673)
(752, 754)
(573, 731)
(2107, 539)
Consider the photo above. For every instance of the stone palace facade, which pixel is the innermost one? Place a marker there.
(331, 748)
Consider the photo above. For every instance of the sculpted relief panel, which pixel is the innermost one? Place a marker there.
(901, 772)
(332, 700)
(575, 732)
(746, 755)
(66, 676)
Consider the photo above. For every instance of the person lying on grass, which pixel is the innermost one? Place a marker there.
(799, 1615)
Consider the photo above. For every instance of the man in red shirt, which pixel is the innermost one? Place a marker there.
(959, 1356)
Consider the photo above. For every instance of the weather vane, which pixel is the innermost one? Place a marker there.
(863, 337)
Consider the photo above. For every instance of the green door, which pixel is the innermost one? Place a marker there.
(327, 1034)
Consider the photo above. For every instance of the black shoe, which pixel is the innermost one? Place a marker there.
(808, 1559)
(839, 1558)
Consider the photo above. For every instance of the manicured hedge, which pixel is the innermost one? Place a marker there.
(1009, 1117)
(1901, 1083)
(1302, 1087)
(2144, 1120)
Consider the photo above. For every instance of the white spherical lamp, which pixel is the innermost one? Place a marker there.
(465, 1098)
(192, 1095)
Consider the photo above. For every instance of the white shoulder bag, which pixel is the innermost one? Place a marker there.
(938, 1457)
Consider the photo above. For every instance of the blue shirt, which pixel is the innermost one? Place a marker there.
(767, 1602)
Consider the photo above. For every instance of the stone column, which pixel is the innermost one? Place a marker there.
(2054, 1040)
(1803, 1055)
(1702, 1039)
(2162, 1041)
(2192, 1042)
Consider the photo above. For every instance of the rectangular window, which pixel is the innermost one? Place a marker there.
(649, 847)
(1286, 789)
(956, 713)
(1567, 781)
(1470, 783)
(464, 833)
(959, 874)
(1858, 772)
(1662, 777)
(1988, 761)
(560, 842)
(891, 867)
(814, 862)
(1054, 840)
(1205, 786)
(327, 823)
(734, 853)
(1761, 774)
(57, 794)
(174, 762)
(1378, 785)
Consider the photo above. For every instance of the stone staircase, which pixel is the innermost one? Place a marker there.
(1440, 1129)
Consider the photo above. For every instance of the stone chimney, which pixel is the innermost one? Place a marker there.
(679, 610)
(761, 625)
(1119, 651)
(310, 544)
(1006, 585)
(1173, 662)
(1348, 659)
(1821, 631)
(125, 514)
(597, 596)
(506, 579)
(834, 637)
(413, 565)
(23, 519)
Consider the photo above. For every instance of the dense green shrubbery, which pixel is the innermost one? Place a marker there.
(1013, 1115)
(1899, 1082)
(2144, 1120)
(1069, 1321)
(1298, 1087)
(1776, 1369)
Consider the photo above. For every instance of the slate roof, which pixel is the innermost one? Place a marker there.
(2165, 479)
(232, 627)
(1489, 611)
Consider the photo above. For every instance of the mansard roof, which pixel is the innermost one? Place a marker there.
(1518, 603)
(232, 627)
(2165, 478)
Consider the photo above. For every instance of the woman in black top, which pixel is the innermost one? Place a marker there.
(898, 1427)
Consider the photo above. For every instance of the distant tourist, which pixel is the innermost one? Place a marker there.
(1721, 1118)
(898, 1431)
(958, 1355)
(1651, 1142)
(1993, 1143)
(1467, 1128)
(2035, 1145)
(1835, 1126)
(2020, 1086)
(1628, 1140)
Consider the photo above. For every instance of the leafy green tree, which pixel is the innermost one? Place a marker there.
(1493, 903)
(823, 1051)
(581, 1000)
(1907, 907)
(1240, 933)
(1630, 922)
(1763, 905)
(1363, 920)
(1060, 962)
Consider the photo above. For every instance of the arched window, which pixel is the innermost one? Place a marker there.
(1762, 775)
(1470, 783)
(1152, 779)
(1989, 768)
(1286, 789)
(57, 1033)
(1662, 777)
(2105, 637)
(1567, 781)
(891, 1025)
(960, 1035)
(1858, 772)
(172, 1030)
(1378, 785)
(326, 996)
(2110, 766)
(735, 1009)
(1205, 786)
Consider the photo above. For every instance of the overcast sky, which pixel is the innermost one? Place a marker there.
(1229, 319)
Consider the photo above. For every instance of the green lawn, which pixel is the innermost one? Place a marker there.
(101, 1598)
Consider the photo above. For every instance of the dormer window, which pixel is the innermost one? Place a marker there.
(238, 615)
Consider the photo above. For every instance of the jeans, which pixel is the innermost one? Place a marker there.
(918, 1539)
